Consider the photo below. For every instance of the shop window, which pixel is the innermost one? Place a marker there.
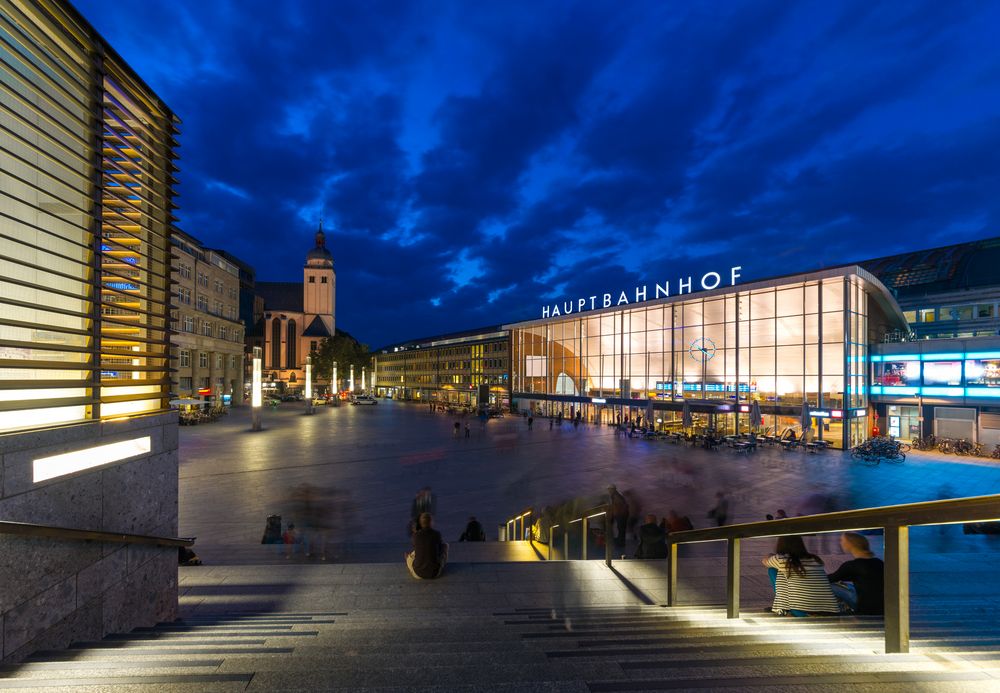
(984, 310)
(910, 315)
(897, 373)
(983, 372)
(942, 373)
(956, 313)
(925, 315)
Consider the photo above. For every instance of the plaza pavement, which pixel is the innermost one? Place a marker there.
(374, 459)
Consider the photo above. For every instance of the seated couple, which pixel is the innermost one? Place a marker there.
(802, 587)
(429, 554)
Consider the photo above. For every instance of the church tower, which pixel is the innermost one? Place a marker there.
(319, 285)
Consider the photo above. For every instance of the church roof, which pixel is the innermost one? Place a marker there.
(317, 328)
(281, 296)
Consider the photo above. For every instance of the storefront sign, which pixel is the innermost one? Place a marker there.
(598, 400)
(684, 285)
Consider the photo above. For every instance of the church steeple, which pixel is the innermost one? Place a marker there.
(320, 255)
(320, 236)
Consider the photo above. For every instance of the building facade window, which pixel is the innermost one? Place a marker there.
(202, 359)
(188, 323)
(290, 341)
(185, 358)
(185, 383)
(219, 361)
(312, 280)
(323, 280)
(276, 343)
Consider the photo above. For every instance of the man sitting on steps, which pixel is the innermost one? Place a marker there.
(429, 554)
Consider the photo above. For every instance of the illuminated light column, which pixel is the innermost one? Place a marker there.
(350, 385)
(336, 390)
(364, 388)
(256, 398)
(309, 385)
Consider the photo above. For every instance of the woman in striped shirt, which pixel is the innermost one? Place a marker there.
(801, 587)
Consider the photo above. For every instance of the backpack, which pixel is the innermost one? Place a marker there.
(272, 530)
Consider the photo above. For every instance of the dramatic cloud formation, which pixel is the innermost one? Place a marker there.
(476, 160)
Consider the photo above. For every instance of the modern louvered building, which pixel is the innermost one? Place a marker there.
(86, 438)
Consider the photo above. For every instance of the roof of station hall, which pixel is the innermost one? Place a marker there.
(969, 265)
(881, 293)
(451, 337)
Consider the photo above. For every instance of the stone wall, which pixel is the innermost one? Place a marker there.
(55, 592)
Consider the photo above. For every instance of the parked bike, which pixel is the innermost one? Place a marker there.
(874, 450)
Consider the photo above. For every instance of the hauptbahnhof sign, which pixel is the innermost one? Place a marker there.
(684, 285)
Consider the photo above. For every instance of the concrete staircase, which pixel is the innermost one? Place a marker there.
(561, 626)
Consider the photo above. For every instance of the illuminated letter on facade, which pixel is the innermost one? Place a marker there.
(607, 300)
(663, 290)
(704, 284)
(640, 295)
(684, 285)
(736, 275)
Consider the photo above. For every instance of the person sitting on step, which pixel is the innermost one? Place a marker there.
(801, 587)
(429, 554)
(473, 531)
(865, 594)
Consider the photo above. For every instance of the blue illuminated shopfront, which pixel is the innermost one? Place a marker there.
(943, 387)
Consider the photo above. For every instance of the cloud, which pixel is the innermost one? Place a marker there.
(474, 161)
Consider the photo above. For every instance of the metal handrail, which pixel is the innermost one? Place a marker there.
(510, 526)
(895, 522)
(26, 529)
(603, 510)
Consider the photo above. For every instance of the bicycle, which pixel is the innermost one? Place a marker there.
(873, 451)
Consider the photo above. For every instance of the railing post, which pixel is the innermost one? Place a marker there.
(520, 533)
(552, 536)
(897, 589)
(501, 532)
(584, 524)
(566, 542)
(607, 539)
(671, 574)
(733, 577)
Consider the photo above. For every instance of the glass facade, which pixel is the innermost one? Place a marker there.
(779, 343)
(85, 201)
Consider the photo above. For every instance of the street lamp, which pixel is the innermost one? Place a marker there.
(256, 399)
(309, 385)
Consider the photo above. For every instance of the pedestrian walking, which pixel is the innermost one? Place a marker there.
(458, 426)
(467, 432)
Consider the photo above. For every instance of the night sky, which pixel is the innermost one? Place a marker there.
(476, 160)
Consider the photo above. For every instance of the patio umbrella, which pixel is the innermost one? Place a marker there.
(183, 402)
(756, 419)
(806, 419)
(686, 419)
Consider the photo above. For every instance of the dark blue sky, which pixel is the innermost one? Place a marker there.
(477, 160)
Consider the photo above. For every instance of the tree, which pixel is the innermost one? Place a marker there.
(345, 350)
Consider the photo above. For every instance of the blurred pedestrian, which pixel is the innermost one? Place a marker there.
(720, 513)
(619, 515)
(652, 539)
